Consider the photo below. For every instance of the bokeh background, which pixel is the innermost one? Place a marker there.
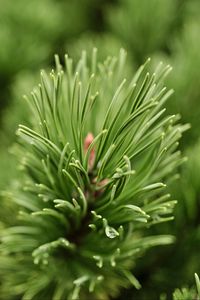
(31, 32)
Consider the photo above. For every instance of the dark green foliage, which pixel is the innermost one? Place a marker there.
(133, 21)
(165, 30)
(31, 32)
(95, 159)
(185, 78)
(188, 294)
(176, 264)
(27, 37)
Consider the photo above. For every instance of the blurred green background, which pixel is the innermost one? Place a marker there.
(31, 32)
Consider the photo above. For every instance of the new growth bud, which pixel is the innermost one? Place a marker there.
(87, 142)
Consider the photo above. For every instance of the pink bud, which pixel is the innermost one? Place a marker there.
(103, 182)
(87, 142)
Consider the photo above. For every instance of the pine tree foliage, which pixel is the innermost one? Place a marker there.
(188, 294)
(186, 61)
(35, 32)
(133, 21)
(186, 213)
(184, 294)
(14, 114)
(184, 57)
(27, 33)
(188, 189)
(175, 273)
(96, 162)
(104, 42)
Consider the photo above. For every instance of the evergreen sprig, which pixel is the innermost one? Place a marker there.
(97, 160)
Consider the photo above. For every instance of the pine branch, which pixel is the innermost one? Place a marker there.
(97, 159)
